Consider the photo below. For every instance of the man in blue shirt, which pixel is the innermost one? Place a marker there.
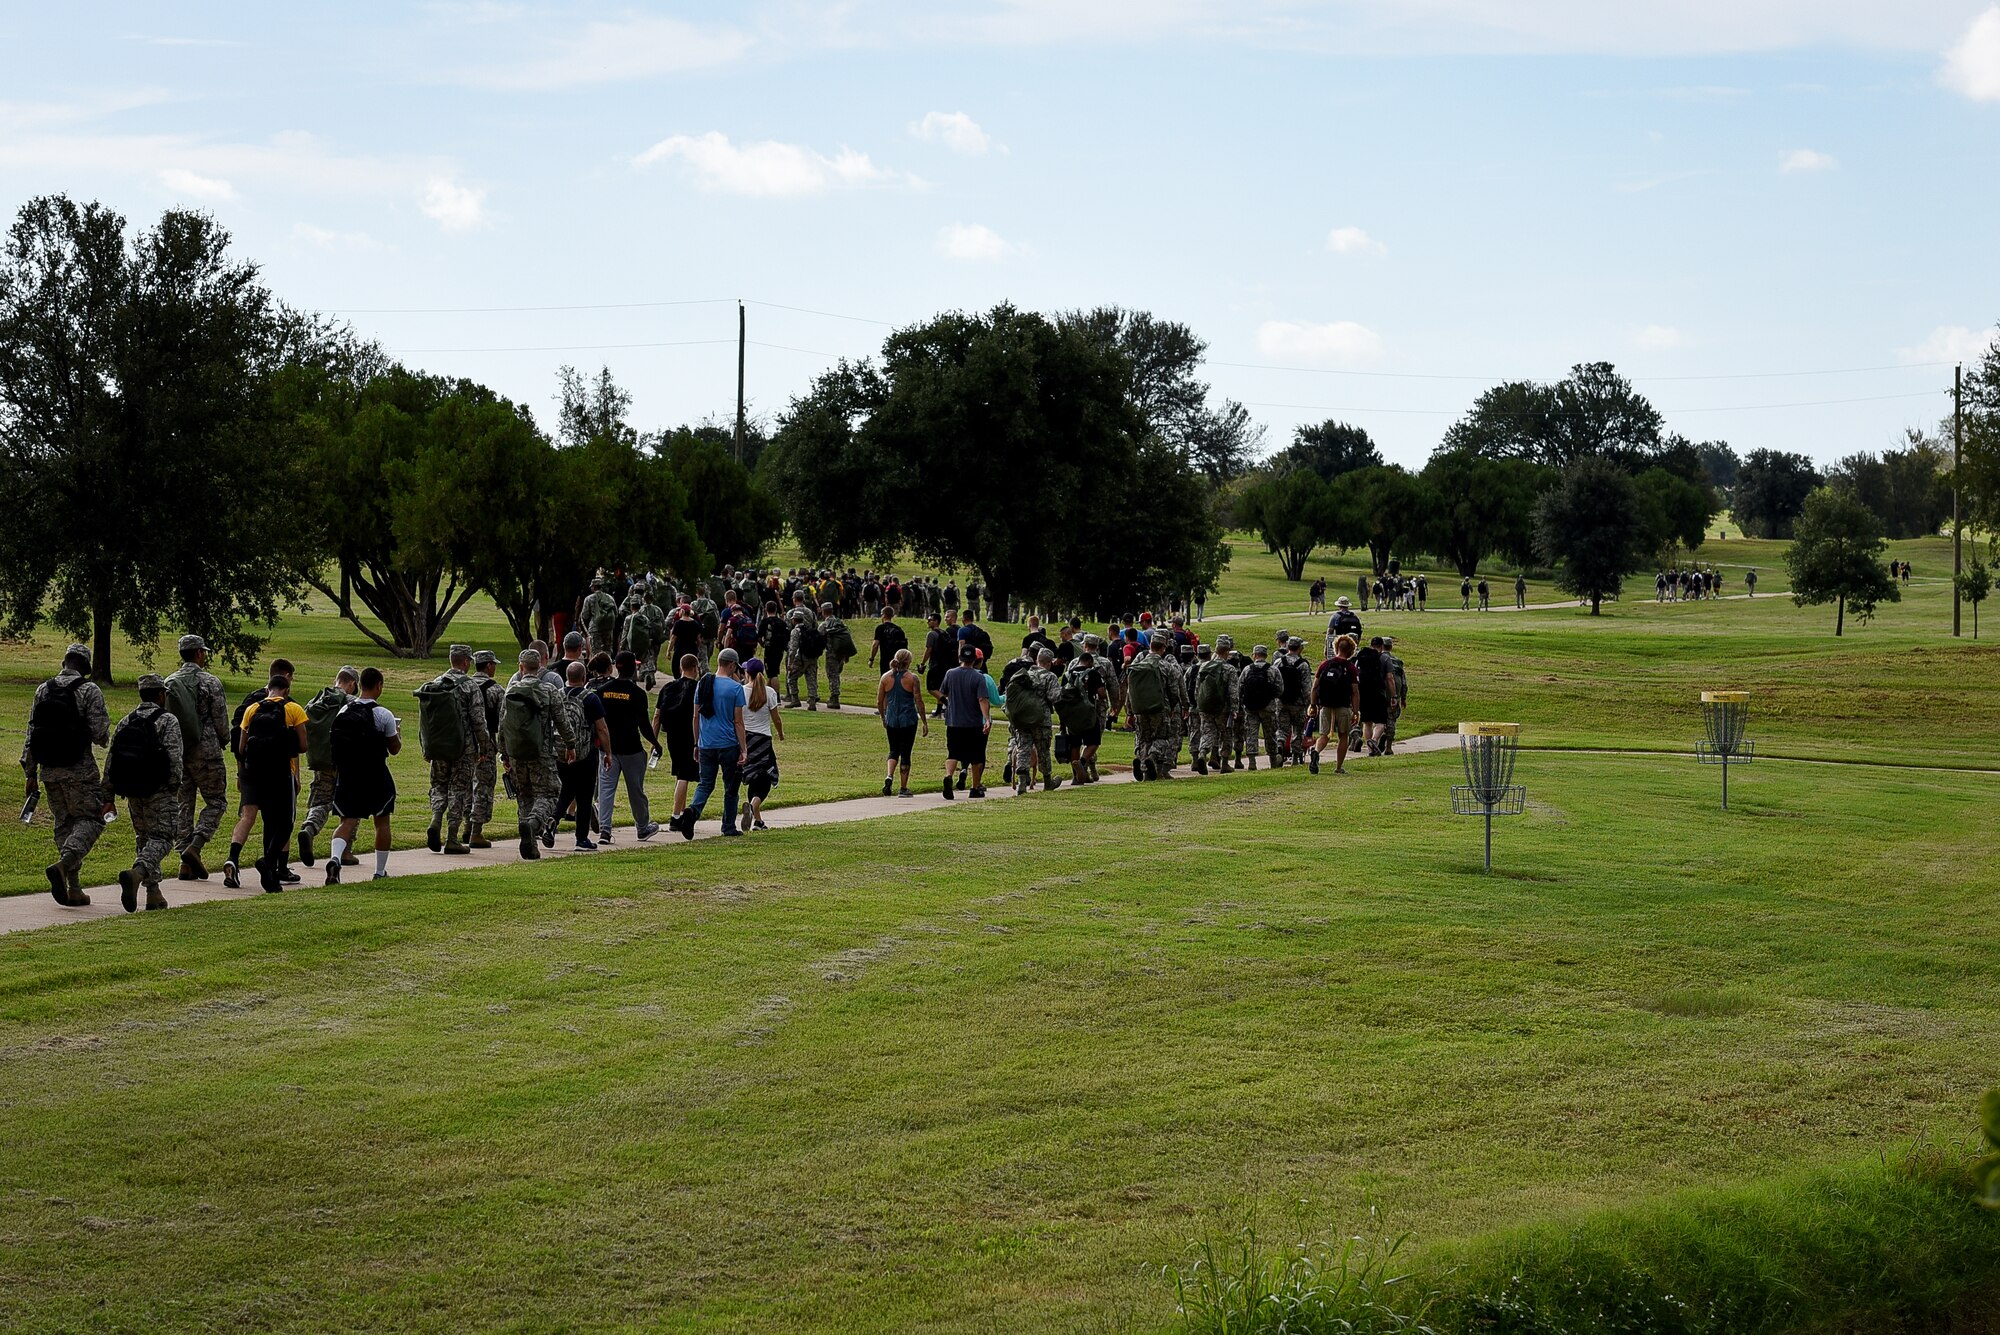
(968, 720)
(721, 741)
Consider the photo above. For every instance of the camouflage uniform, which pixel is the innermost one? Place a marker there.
(1292, 716)
(154, 815)
(599, 615)
(656, 621)
(203, 772)
(454, 782)
(487, 775)
(537, 782)
(1156, 737)
(75, 797)
(798, 664)
(1260, 722)
(835, 661)
(704, 644)
(1049, 686)
(1211, 731)
(319, 797)
(637, 620)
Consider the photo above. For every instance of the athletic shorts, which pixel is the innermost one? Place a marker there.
(1085, 738)
(902, 741)
(356, 802)
(683, 761)
(965, 745)
(1335, 722)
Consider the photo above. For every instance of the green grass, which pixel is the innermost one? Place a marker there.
(989, 1069)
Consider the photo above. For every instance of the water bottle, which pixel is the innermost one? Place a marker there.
(653, 761)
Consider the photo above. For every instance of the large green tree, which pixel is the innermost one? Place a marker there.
(1480, 506)
(1168, 391)
(1771, 490)
(1328, 448)
(1591, 527)
(734, 515)
(142, 448)
(1909, 489)
(1592, 413)
(1293, 513)
(1978, 476)
(1675, 512)
(984, 441)
(1836, 557)
(1384, 509)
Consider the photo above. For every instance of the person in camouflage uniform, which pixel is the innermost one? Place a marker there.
(1211, 727)
(1263, 720)
(486, 776)
(1233, 727)
(1155, 735)
(1048, 684)
(656, 622)
(319, 797)
(839, 641)
(1092, 676)
(76, 798)
(537, 783)
(637, 633)
(153, 815)
(798, 663)
(203, 772)
(454, 781)
(599, 615)
(1292, 714)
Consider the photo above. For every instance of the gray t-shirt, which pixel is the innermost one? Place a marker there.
(964, 690)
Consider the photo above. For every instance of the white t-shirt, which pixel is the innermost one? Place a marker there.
(759, 720)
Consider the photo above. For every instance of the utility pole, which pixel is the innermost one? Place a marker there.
(1957, 518)
(742, 339)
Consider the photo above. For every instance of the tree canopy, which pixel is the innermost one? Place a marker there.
(1591, 526)
(1836, 557)
(137, 379)
(1591, 413)
(1909, 489)
(1480, 506)
(1327, 448)
(1165, 357)
(1293, 513)
(1771, 490)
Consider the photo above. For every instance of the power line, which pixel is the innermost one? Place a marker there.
(1495, 380)
(511, 310)
(580, 347)
(1720, 408)
(831, 315)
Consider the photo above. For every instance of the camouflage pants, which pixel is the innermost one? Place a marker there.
(1154, 739)
(796, 666)
(704, 649)
(319, 802)
(1291, 727)
(537, 793)
(1262, 722)
(833, 669)
(206, 779)
(153, 821)
(76, 806)
(1032, 748)
(485, 778)
(452, 785)
(1211, 737)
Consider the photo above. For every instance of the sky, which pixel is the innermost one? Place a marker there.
(1778, 216)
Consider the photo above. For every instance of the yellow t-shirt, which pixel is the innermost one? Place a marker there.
(295, 715)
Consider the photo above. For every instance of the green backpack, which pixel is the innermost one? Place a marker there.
(184, 702)
(1025, 706)
(320, 711)
(1146, 685)
(639, 636)
(440, 721)
(523, 733)
(839, 639)
(1211, 690)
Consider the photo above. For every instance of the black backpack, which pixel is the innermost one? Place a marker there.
(812, 642)
(358, 748)
(268, 741)
(61, 736)
(1258, 689)
(138, 759)
(892, 640)
(1293, 673)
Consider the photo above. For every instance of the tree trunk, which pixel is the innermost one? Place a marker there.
(100, 641)
(1294, 562)
(1840, 616)
(1596, 603)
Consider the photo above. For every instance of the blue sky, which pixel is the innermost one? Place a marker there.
(1399, 203)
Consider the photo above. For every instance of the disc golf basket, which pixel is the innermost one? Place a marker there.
(1487, 751)
(1723, 716)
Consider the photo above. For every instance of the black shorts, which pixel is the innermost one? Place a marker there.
(355, 801)
(273, 791)
(1375, 710)
(683, 761)
(1082, 738)
(965, 745)
(902, 741)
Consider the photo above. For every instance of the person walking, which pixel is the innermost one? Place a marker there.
(1375, 690)
(452, 734)
(580, 773)
(1294, 699)
(1485, 595)
(763, 729)
(1465, 594)
(899, 704)
(486, 684)
(804, 647)
(888, 639)
(630, 734)
(365, 735)
(840, 648)
(1344, 621)
(201, 707)
(67, 719)
(599, 618)
(246, 811)
(270, 740)
(538, 733)
(940, 656)
(143, 765)
(719, 698)
(968, 721)
(320, 713)
(674, 729)
(1336, 694)
(1521, 590)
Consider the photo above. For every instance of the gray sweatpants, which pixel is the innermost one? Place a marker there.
(633, 769)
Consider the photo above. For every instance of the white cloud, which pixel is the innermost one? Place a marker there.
(1951, 343)
(1973, 66)
(454, 207)
(973, 242)
(328, 239)
(196, 186)
(1658, 338)
(1353, 241)
(955, 130)
(637, 47)
(767, 169)
(1806, 160)
(1342, 341)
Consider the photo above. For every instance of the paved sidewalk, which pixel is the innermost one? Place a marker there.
(24, 913)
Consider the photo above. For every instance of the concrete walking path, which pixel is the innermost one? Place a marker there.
(1569, 603)
(30, 912)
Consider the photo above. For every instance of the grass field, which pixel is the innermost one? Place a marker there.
(983, 1070)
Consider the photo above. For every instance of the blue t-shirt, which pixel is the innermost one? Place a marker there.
(718, 730)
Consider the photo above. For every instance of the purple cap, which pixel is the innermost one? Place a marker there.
(753, 667)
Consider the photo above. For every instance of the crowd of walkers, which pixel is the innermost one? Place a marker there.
(588, 714)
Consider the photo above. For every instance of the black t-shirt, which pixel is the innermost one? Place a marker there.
(1065, 651)
(685, 635)
(1036, 640)
(676, 713)
(624, 707)
(1373, 672)
(1336, 683)
(889, 637)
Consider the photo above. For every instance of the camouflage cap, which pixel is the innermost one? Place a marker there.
(530, 658)
(1201, 651)
(192, 644)
(485, 658)
(1160, 640)
(1225, 642)
(459, 651)
(152, 681)
(1295, 643)
(1260, 652)
(77, 651)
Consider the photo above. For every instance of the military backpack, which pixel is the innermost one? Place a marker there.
(61, 735)
(1258, 689)
(524, 734)
(1211, 688)
(320, 711)
(138, 760)
(440, 721)
(1146, 686)
(184, 699)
